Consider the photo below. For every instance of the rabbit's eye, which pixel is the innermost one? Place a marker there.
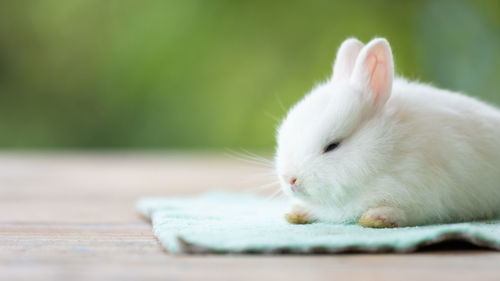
(331, 146)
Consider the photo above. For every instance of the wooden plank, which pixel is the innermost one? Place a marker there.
(71, 217)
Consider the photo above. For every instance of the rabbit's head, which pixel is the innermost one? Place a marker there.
(331, 142)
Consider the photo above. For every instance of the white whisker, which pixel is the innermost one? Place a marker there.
(250, 158)
(281, 104)
(276, 119)
(264, 186)
(257, 157)
(274, 195)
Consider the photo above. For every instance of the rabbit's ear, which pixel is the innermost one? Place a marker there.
(346, 57)
(374, 70)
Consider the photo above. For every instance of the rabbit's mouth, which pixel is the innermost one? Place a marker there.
(298, 190)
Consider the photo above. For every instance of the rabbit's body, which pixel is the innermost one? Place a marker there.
(420, 155)
(440, 161)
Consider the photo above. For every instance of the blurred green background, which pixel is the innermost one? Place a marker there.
(212, 74)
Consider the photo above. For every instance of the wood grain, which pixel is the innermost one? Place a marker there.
(72, 217)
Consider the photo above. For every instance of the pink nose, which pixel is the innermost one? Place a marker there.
(293, 181)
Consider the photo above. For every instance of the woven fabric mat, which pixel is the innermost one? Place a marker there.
(222, 222)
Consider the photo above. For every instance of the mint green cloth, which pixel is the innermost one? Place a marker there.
(221, 222)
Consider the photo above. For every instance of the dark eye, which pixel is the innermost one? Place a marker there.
(331, 146)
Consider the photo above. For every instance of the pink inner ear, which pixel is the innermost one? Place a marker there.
(377, 75)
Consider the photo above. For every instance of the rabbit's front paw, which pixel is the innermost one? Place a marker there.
(298, 216)
(382, 217)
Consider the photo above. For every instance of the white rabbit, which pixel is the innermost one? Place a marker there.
(365, 146)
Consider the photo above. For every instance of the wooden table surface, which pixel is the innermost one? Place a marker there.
(70, 216)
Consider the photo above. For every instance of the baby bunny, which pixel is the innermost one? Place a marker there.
(366, 146)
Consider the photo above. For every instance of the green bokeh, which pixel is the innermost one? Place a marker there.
(212, 74)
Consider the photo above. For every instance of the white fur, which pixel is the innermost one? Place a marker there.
(433, 154)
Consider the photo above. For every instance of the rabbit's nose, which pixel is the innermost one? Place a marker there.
(292, 181)
(293, 184)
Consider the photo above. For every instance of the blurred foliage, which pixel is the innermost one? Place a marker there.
(212, 74)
